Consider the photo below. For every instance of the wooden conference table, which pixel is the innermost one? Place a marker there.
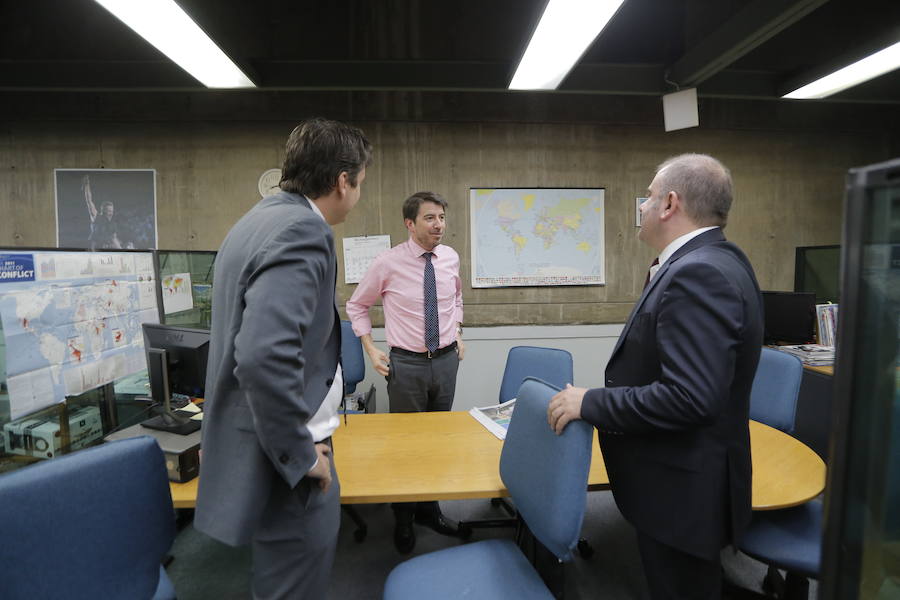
(406, 457)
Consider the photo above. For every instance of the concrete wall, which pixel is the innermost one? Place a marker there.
(788, 166)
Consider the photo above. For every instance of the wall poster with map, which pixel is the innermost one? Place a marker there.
(71, 321)
(537, 236)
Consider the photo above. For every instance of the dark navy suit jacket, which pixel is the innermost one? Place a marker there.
(673, 417)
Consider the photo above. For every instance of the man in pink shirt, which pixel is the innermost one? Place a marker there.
(419, 286)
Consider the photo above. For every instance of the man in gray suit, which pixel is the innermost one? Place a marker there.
(274, 381)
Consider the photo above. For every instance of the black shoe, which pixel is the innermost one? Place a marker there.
(404, 537)
(439, 523)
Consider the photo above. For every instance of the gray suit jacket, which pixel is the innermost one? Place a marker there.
(275, 345)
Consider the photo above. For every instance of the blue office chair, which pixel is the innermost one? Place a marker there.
(789, 539)
(548, 364)
(547, 477)
(354, 371)
(352, 362)
(93, 524)
(776, 386)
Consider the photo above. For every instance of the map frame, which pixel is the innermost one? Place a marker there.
(536, 279)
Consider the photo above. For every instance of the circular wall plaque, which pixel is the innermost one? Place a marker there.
(268, 182)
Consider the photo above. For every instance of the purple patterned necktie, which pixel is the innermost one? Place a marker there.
(432, 335)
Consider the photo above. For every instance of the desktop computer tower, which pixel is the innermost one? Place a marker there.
(182, 452)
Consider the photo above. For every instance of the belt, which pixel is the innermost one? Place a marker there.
(434, 354)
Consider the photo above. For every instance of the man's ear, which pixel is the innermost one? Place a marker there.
(343, 183)
(409, 224)
(670, 205)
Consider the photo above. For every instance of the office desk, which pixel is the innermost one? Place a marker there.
(812, 424)
(449, 456)
(825, 370)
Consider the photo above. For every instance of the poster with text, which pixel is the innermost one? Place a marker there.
(105, 209)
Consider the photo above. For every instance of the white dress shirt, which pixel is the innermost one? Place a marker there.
(674, 245)
(325, 421)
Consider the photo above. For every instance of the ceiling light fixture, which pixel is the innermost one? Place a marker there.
(566, 29)
(165, 25)
(862, 70)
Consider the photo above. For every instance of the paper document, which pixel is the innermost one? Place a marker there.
(176, 293)
(826, 320)
(495, 418)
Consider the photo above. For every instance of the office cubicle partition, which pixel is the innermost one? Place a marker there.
(187, 275)
(70, 325)
(861, 554)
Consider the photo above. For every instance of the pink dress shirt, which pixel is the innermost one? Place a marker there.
(397, 276)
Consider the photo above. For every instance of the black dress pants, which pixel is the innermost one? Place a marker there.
(675, 575)
(420, 384)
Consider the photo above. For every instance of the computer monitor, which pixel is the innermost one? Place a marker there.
(817, 270)
(789, 317)
(176, 362)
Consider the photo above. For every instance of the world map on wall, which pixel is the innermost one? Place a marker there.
(540, 236)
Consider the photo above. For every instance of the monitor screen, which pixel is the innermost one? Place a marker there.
(186, 350)
(790, 317)
(817, 270)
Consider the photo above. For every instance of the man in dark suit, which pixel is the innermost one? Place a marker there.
(673, 417)
(274, 381)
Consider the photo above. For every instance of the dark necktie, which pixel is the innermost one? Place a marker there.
(653, 264)
(432, 335)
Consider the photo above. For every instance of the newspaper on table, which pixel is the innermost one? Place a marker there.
(495, 418)
(813, 355)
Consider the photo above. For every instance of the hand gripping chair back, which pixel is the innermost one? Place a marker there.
(547, 476)
(92, 524)
(547, 364)
(773, 398)
(352, 362)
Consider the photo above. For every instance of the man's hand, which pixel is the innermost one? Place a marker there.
(460, 347)
(564, 407)
(380, 361)
(322, 470)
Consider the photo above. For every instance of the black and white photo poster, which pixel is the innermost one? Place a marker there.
(105, 208)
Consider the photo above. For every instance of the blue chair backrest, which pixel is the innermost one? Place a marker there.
(548, 364)
(773, 399)
(92, 524)
(546, 474)
(352, 362)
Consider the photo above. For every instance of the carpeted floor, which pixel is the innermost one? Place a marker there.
(204, 569)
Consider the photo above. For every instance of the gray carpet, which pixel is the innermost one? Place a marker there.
(204, 569)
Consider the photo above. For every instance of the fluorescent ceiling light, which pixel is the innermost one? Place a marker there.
(165, 25)
(868, 68)
(565, 31)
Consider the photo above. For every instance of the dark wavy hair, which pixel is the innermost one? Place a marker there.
(411, 205)
(318, 151)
